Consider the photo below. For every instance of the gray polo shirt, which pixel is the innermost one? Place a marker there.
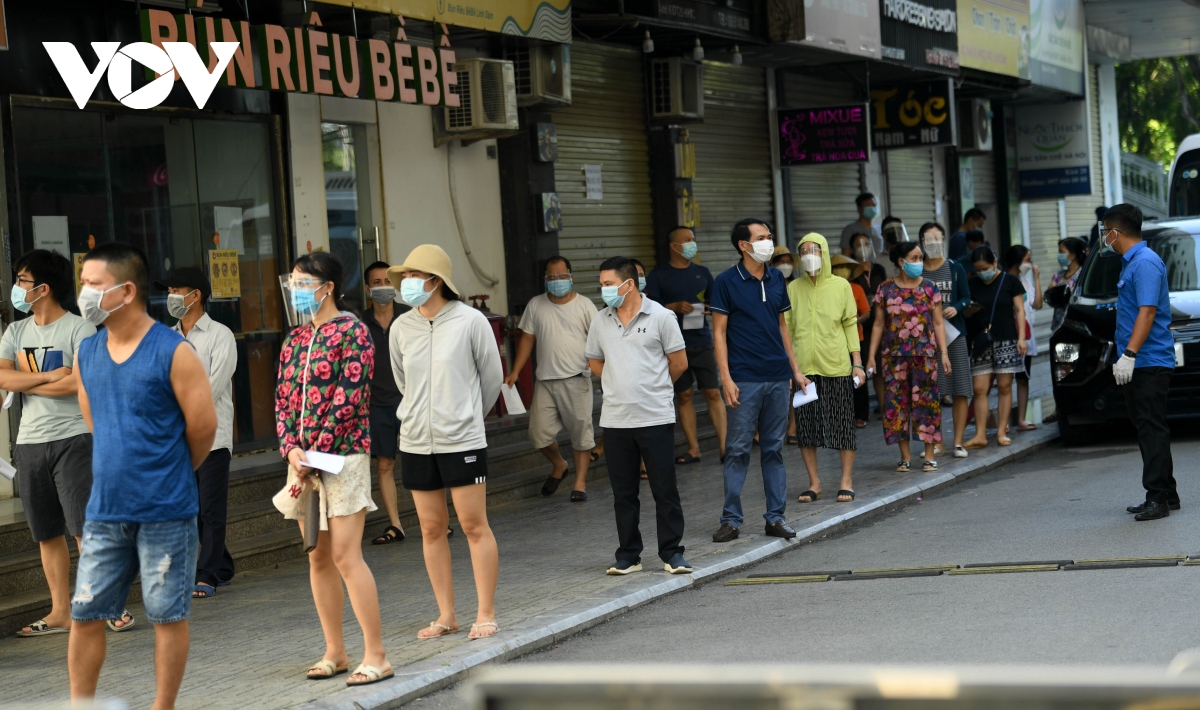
(637, 385)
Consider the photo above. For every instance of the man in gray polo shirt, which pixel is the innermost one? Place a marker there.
(636, 349)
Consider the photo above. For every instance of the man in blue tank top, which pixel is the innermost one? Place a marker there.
(146, 398)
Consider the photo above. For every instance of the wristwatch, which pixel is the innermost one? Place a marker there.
(1130, 353)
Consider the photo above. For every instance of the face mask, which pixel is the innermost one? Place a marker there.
(642, 283)
(912, 269)
(987, 274)
(383, 295)
(1105, 247)
(864, 253)
(175, 305)
(559, 288)
(18, 299)
(89, 304)
(843, 273)
(689, 250)
(786, 270)
(762, 251)
(412, 291)
(811, 263)
(1025, 268)
(610, 295)
(934, 249)
(1064, 261)
(870, 212)
(304, 300)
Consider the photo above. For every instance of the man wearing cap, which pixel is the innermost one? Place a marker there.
(187, 297)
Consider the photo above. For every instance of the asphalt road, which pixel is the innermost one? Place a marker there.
(1058, 504)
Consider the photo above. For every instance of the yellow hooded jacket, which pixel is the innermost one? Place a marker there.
(823, 320)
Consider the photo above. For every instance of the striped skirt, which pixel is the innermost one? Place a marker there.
(958, 382)
(828, 423)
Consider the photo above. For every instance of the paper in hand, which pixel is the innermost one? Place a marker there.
(695, 319)
(952, 333)
(8, 400)
(808, 395)
(512, 399)
(7, 470)
(331, 463)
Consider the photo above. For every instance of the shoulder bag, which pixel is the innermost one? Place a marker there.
(984, 340)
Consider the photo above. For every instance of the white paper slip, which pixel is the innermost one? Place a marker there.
(512, 399)
(952, 333)
(695, 319)
(331, 463)
(802, 398)
(7, 470)
(8, 399)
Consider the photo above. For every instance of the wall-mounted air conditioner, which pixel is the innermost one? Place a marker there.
(543, 73)
(488, 97)
(975, 126)
(676, 90)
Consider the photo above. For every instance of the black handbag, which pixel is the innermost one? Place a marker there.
(984, 340)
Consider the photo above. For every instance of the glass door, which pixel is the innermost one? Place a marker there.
(350, 186)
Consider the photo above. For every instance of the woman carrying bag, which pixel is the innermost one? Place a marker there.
(997, 332)
(323, 404)
(951, 281)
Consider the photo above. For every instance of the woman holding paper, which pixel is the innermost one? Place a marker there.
(322, 405)
(823, 322)
(909, 332)
(951, 281)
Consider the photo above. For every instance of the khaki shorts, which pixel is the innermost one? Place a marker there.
(562, 404)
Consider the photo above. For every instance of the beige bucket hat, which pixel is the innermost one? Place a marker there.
(429, 258)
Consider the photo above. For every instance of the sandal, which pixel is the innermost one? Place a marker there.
(203, 591)
(390, 534)
(578, 496)
(128, 624)
(860, 424)
(551, 485)
(327, 668)
(973, 444)
(1026, 426)
(373, 674)
(41, 628)
(443, 630)
(929, 466)
(472, 636)
(845, 493)
(904, 467)
(686, 459)
(812, 496)
(1050, 419)
(793, 440)
(1003, 441)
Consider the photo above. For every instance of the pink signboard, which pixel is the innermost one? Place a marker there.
(832, 134)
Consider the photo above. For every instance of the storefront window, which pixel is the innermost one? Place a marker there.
(189, 192)
(348, 204)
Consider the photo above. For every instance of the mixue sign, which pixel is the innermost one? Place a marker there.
(835, 134)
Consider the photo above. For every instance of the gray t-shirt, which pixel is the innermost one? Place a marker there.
(637, 384)
(34, 348)
(560, 332)
(856, 227)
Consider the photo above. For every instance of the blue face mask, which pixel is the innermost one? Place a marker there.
(987, 274)
(412, 291)
(870, 212)
(1063, 260)
(610, 295)
(18, 299)
(689, 250)
(304, 300)
(641, 283)
(912, 269)
(559, 287)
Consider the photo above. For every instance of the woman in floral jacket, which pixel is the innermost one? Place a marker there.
(323, 404)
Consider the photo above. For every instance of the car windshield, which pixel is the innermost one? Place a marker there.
(1179, 251)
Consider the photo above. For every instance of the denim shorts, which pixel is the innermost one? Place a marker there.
(113, 556)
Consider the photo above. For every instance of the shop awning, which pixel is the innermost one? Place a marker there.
(1155, 28)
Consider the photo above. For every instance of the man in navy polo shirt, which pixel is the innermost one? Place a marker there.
(756, 362)
(1147, 354)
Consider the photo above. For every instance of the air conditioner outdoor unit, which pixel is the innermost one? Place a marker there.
(975, 126)
(488, 96)
(543, 73)
(677, 90)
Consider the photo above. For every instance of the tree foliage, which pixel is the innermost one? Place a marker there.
(1158, 105)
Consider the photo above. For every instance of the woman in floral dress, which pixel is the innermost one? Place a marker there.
(909, 334)
(323, 404)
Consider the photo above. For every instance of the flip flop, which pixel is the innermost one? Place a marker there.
(812, 496)
(328, 670)
(972, 444)
(1004, 441)
(203, 591)
(442, 628)
(41, 628)
(578, 496)
(390, 534)
(594, 456)
(373, 674)
(686, 459)
(492, 624)
(1027, 426)
(551, 485)
(128, 624)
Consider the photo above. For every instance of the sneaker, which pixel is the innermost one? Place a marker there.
(780, 528)
(624, 567)
(727, 533)
(678, 565)
(960, 452)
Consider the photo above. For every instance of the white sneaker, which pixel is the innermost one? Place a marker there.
(960, 452)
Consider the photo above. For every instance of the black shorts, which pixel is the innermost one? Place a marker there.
(1027, 373)
(702, 371)
(385, 429)
(55, 480)
(433, 472)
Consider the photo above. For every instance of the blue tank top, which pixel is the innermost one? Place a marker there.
(141, 465)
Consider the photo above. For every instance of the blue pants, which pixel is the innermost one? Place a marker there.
(762, 406)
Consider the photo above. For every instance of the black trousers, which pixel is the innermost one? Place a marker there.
(624, 449)
(215, 563)
(1146, 400)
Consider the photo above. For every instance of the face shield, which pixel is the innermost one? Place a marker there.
(894, 233)
(298, 302)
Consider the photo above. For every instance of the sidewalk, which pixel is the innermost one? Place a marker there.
(253, 641)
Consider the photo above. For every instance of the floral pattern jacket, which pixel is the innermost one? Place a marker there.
(336, 404)
(908, 319)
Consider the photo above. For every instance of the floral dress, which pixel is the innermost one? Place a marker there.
(909, 352)
(1060, 278)
(335, 405)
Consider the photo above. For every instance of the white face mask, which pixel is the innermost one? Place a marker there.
(811, 263)
(763, 251)
(89, 304)
(1025, 268)
(934, 249)
(785, 269)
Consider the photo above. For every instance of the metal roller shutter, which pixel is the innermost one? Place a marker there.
(733, 158)
(1081, 209)
(983, 171)
(605, 125)
(911, 196)
(1044, 233)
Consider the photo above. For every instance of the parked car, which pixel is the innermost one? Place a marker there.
(1082, 350)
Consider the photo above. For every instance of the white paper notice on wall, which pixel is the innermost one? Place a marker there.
(50, 233)
(595, 184)
(228, 223)
(512, 399)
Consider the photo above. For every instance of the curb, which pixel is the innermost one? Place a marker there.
(446, 669)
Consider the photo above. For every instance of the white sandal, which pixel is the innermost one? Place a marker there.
(446, 631)
(327, 668)
(373, 674)
(492, 624)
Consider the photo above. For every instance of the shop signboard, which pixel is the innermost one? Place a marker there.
(922, 35)
(993, 36)
(727, 19)
(914, 115)
(1054, 152)
(819, 136)
(548, 20)
(1056, 44)
(849, 26)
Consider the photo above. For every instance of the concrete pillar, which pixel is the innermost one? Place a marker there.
(1110, 136)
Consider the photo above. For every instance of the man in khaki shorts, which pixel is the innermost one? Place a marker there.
(558, 322)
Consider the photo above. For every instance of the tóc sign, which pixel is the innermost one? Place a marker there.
(919, 114)
(815, 136)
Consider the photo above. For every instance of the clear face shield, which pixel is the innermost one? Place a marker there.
(894, 233)
(298, 302)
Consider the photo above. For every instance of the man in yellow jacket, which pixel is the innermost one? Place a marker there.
(823, 322)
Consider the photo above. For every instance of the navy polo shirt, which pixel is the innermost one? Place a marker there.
(752, 337)
(1144, 283)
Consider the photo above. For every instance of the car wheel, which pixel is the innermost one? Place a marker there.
(1071, 435)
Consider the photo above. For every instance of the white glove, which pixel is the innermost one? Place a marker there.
(1123, 370)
